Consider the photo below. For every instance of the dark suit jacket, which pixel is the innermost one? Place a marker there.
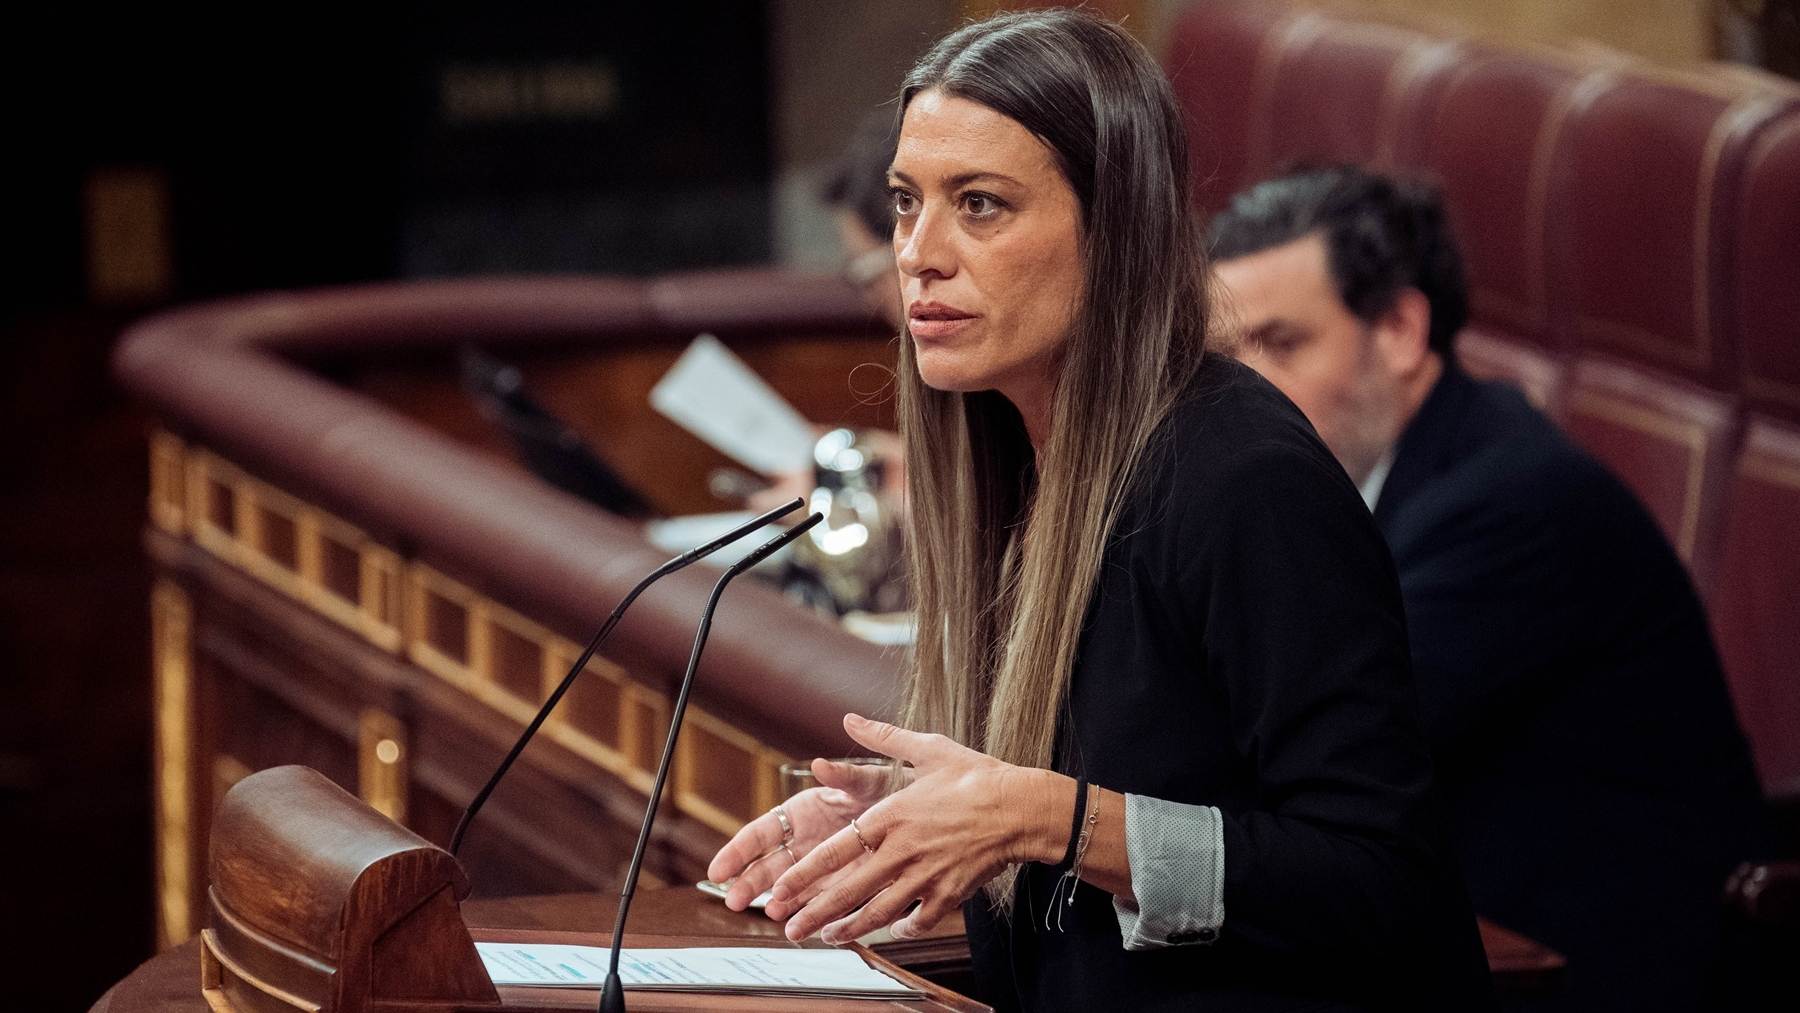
(1598, 784)
(1245, 648)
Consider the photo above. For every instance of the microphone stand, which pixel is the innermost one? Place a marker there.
(678, 563)
(612, 996)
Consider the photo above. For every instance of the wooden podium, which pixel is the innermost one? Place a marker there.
(319, 903)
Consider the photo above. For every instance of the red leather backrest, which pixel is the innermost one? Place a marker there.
(1669, 441)
(1766, 270)
(1756, 611)
(1219, 63)
(1342, 91)
(1266, 86)
(1645, 194)
(1492, 140)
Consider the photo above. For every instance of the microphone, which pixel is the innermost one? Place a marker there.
(612, 996)
(678, 563)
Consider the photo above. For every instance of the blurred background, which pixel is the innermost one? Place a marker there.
(165, 154)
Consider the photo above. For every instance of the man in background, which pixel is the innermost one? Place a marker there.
(1598, 788)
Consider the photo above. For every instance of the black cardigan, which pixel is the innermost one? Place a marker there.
(1246, 649)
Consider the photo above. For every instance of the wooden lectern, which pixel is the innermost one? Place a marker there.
(318, 902)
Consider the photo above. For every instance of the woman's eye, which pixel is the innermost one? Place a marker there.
(904, 202)
(980, 205)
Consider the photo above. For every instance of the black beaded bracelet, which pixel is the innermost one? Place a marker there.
(1081, 794)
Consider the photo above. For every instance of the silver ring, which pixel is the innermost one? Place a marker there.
(864, 841)
(787, 825)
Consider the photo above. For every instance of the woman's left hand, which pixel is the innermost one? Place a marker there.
(964, 817)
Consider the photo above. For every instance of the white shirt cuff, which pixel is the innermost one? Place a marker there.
(1177, 854)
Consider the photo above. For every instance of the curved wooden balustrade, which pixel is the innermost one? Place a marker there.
(342, 585)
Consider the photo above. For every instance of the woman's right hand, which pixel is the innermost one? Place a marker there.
(753, 859)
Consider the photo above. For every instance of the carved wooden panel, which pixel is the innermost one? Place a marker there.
(284, 634)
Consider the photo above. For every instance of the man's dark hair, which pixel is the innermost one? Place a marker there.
(858, 182)
(1382, 235)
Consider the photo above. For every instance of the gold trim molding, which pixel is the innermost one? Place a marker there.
(186, 483)
(710, 738)
(171, 640)
(408, 608)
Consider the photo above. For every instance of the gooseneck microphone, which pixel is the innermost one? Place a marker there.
(679, 562)
(612, 996)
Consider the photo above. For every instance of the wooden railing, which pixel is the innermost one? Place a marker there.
(340, 584)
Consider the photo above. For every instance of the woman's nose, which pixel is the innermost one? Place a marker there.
(921, 247)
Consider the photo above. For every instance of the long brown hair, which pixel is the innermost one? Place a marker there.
(1006, 544)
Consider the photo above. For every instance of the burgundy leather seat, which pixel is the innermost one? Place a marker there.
(1765, 252)
(1669, 440)
(1496, 101)
(1216, 66)
(1345, 92)
(1756, 610)
(1653, 173)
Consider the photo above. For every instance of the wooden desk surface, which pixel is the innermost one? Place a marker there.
(169, 983)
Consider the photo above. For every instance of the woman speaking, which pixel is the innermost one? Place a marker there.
(1158, 738)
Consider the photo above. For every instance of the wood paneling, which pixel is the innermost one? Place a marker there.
(269, 652)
